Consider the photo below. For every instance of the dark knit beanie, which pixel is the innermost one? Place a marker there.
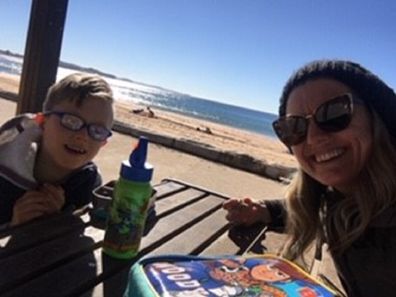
(369, 87)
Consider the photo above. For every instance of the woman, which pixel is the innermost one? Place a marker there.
(339, 121)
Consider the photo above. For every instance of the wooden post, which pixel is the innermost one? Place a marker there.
(42, 52)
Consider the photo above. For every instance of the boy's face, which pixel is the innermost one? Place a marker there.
(70, 150)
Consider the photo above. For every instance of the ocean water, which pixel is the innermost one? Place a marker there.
(157, 97)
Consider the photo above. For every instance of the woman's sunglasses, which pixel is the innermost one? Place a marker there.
(75, 123)
(332, 116)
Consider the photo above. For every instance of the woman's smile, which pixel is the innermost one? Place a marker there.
(329, 155)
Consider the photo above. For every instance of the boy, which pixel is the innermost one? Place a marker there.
(46, 159)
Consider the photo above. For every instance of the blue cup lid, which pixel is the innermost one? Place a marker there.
(136, 168)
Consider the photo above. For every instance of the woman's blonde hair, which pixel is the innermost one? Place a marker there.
(316, 213)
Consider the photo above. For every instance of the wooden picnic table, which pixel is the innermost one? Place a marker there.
(62, 255)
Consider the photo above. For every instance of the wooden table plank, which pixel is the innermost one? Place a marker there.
(166, 188)
(37, 232)
(197, 237)
(28, 264)
(64, 281)
(176, 223)
(192, 186)
(113, 286)
(235, 242)
(177, 201)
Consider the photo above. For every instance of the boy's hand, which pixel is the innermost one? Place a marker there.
(33, 204)
(55, 196)
(30, 206)
(246, 212)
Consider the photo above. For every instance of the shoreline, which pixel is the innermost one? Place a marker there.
(236, 148)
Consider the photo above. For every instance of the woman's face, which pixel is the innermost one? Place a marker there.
(332, 158)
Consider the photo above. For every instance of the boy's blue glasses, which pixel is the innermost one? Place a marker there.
(75, 123)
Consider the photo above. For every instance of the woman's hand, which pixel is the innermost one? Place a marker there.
(246, 212)
(47, 199)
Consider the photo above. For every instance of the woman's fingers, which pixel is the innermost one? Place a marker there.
(243, 211)
(231, 203)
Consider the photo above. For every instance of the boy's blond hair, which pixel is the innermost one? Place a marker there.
(76, 88)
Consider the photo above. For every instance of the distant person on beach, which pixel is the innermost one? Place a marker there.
(150, 112)
(339, 121)
(137, 110)
(46, 158)
(206, 130)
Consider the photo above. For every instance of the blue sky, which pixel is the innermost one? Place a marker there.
(238, 52)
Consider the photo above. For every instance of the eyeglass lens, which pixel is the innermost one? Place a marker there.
(75, 123)
(332, 116)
